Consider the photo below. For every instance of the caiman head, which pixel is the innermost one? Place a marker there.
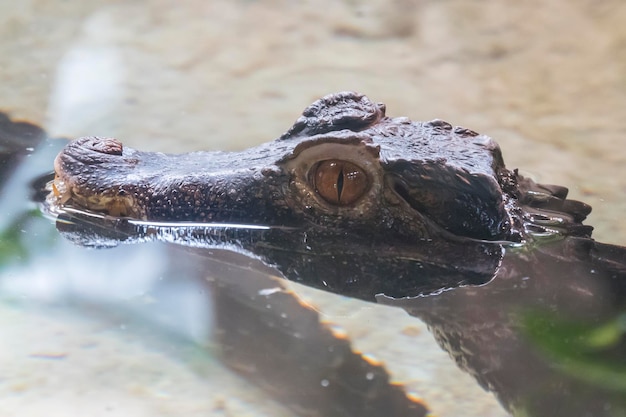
(345, 192)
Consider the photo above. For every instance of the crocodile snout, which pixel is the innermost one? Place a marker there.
(91, 172)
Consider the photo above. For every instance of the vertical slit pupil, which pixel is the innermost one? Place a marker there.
(339, 185)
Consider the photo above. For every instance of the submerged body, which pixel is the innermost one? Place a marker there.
(460, 241)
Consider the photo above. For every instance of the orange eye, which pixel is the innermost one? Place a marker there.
(339, 182)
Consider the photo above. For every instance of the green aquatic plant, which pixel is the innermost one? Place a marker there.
(14, 245)
(591, 353)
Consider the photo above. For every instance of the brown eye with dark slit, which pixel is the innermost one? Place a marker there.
(339, 182)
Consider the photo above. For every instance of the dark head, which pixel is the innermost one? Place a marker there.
(429, 198)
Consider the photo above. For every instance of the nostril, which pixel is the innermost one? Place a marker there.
(109, 146)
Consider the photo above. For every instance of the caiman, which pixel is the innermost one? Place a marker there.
(422, 215)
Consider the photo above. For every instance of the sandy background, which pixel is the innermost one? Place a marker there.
(546, 79)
